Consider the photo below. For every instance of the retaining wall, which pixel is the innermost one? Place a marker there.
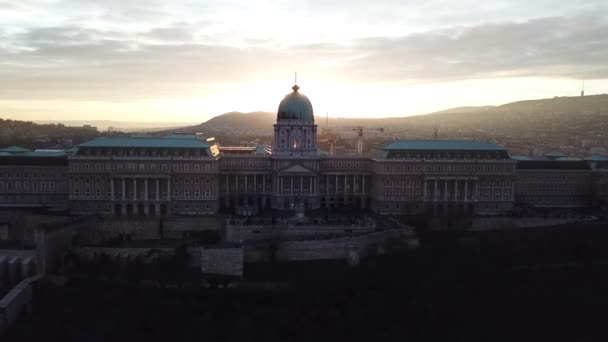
(18, 302)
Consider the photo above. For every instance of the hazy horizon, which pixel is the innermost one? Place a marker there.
(69, 60)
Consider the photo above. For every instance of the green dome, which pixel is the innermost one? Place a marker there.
(295, 106)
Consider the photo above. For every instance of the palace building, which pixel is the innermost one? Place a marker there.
(186, 174)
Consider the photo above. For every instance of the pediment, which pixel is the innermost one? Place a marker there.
(296, 169)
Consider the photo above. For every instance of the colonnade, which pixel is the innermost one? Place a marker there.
(450, 189)
(149, 189)
(243, 183)
(290, 184)
(140, 196)
(351, 184)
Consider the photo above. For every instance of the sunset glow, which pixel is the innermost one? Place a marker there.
(119, 60)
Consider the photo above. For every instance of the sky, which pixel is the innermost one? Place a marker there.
(170, 61)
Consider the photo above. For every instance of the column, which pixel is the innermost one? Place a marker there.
(255, 184)
(466, 194)
(345, 183)
(336, 188)
(435, 194)
(363, 185)
(134, 189)
(424, 193)
(326, 184)
(246, 188)
(512, 190)
(236, 183)
(146, 189)
(157, 189)
(474, 191)
(264, 184)
(301, 184)
(123, 190)
(291, 187)
(456, 190)
(311, 181)
(169, 196)
(112, 190)
(445, 190)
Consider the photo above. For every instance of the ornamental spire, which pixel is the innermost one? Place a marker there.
(295, 86)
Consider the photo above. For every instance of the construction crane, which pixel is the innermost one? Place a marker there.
(360, 130)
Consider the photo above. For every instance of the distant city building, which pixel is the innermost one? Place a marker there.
(187, 174)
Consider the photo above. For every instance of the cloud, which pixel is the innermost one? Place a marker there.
(554, 47)
(78, 63)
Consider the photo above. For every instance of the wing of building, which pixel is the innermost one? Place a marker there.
(185, 174)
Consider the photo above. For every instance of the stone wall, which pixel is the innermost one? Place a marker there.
(239, 233)
(17, 303)
(494, 223)
(341, 248)
(52, 240)
(16, 265)
(20, 225)
(97, 231)
(222, 261)
(119, 255)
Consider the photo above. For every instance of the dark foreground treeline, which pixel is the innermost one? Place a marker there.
(525, 285)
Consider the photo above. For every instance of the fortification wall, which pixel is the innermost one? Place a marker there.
(17, 303)
(342, 248)
(493, 223)
(145, 228)
(239, 233)
(20, 225)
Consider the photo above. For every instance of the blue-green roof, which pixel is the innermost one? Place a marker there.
(521, 157)
(555, 154)
(295, 106)
(444, 145)
(180, 136)
(146, 142)
(597, 157)
(14, 149)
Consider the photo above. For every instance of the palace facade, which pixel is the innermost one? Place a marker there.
(185, 174)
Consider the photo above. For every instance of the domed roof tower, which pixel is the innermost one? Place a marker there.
(295, 106)
(295, 132)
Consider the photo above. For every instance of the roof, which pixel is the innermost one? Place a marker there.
(146, 142)
(180, 136)
(295, 106)
(568, 158)
(597, 157)
(553, 165)
(14, 149)
(444, 145)
(555, 154)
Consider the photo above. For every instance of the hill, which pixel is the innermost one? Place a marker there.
(236, 123)
(32, 135)
(123, 126)
(586, 116)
